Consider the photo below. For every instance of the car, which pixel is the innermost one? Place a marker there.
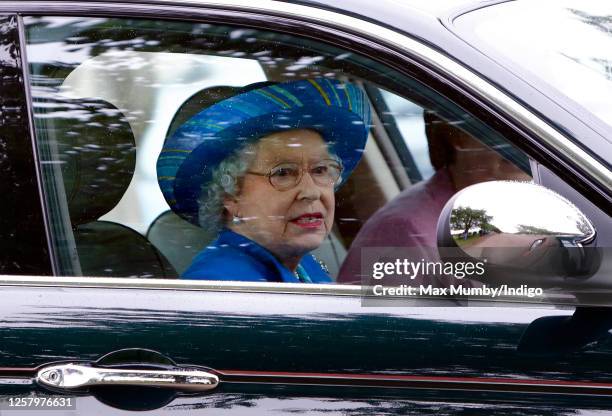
(94, 316)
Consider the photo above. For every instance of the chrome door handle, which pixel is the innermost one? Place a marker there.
(74, 376)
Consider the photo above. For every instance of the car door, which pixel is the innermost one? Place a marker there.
(90, 280)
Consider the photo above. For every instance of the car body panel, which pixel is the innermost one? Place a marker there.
(263, 350)
(236, 333)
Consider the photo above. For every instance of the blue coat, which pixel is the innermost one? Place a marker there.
(234, 257)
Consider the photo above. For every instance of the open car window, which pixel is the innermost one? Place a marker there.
(138, 121)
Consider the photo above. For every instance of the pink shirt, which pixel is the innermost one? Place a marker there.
(409, 220)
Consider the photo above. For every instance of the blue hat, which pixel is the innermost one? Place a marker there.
(339, 111)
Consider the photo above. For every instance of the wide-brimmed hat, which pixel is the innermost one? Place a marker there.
(339, 111)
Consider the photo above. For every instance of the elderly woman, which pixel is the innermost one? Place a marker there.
(262, 167)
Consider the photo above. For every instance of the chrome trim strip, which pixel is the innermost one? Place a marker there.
(385, 36)
(178, 284)
(16, 381)
(354, 291)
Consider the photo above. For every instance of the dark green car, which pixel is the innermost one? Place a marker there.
(493, 98)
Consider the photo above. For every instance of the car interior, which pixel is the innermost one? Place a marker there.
(104, 107)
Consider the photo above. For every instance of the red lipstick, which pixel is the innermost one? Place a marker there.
(309, 221)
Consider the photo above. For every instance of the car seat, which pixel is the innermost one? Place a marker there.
(97, 156)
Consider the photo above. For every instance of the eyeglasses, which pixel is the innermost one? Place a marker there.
(284, 176)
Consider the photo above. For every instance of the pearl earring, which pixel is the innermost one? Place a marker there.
(236, 220)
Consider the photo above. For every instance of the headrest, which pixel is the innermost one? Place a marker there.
(97, 152)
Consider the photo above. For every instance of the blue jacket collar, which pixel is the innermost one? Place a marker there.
(309, 264)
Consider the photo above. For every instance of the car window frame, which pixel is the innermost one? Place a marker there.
(24, 224)
(393, 49)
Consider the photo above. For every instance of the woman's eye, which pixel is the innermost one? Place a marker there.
(320, 170)
(330, 169)
(281, 172)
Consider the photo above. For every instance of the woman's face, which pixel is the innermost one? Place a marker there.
(289, 222)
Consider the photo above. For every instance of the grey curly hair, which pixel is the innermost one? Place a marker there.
(225, 182)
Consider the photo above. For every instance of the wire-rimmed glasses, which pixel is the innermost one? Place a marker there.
(287, 175)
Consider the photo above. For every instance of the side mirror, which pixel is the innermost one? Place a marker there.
(522, 231)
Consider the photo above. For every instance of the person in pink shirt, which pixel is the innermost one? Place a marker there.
(410, 219)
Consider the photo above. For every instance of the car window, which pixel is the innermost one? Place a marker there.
(198, 151)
